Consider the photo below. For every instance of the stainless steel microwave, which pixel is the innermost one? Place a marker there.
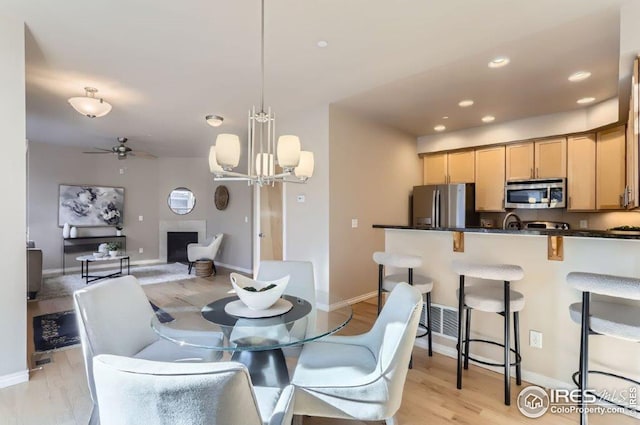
(536, 194)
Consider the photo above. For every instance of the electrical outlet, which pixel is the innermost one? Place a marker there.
(535, 339)
(140, 218)
(140, 250)
(354, 223)
(584, 224)
(122, 171)
(300, 198)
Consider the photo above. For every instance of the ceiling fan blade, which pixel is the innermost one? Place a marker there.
(103, 149)
(142, 154)
(99, 152)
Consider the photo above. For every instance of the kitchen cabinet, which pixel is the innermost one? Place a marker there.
(581, 172)
(449, 167)
(610, 168)
(490, 178)
(541, 159)
(633, 171)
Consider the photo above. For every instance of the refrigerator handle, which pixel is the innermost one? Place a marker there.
(433, 209)
(438, 208)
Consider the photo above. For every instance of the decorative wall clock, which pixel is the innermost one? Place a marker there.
(221, 197)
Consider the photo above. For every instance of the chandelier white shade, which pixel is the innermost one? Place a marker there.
(89, 105)
(263, 154)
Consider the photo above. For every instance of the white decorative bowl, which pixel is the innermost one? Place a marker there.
(258, 300)
(99, 254)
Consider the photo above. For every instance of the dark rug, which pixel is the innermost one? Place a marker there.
(57, 330)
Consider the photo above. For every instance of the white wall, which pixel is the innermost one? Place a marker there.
(13, 315)
(147, 185)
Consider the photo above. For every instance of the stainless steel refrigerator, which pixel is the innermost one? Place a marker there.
(445, 205)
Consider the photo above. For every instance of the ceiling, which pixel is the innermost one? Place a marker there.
(406, 63)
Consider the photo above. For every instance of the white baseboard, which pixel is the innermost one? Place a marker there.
(14, 378)
(532, 377)
(335, 306)
(236, 268)
(74, 269)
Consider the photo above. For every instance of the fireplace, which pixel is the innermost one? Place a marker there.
(177, 245)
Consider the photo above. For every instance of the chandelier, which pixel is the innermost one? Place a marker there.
(267, 162)
(90, 105)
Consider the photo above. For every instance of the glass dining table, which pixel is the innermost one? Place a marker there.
(204, 320)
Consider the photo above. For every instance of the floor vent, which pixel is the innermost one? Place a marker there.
(444, 321)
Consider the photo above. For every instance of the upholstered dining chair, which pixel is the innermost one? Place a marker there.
(197, 251)
(114, 317)
(301, 284)
(361, 377)
(134, 391)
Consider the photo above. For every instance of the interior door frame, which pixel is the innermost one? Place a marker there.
(255, 239)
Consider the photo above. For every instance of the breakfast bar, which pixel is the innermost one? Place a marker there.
(544, 286)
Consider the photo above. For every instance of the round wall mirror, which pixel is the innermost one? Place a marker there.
(181, 200)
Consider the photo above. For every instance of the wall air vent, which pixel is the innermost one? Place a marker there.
(444, 320)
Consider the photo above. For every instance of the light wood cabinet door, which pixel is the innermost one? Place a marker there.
(461, 167)
(490, 177)
(519, 161)
(610, 168)
(435, 168)
(550, 158)
(581, 173)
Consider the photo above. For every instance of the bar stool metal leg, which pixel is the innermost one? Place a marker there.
(460, 311)
(584, 356)
(429, 321)
(467, 333)
(380, 277)
(507, 345)
(516, 336)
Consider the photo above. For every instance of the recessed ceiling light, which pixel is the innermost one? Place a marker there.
(465, 103)
(440, 127)
(488, 118)
(579, 76)
(445, 117)
(499, 62)
(323, 43)
(585, 100)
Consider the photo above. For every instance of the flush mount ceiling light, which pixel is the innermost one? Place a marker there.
(445, 117)
(322, 44)
(585, 100)
(465, 103)
(499, 62)
(262, 153)
(89, 105)
(440, 127)
(488, 118)
(579, 76)
(214, 120)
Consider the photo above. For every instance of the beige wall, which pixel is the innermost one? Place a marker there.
(13, 316)
(147, 184)
(373, 171)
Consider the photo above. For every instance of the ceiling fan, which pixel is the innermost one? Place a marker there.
(122, 151)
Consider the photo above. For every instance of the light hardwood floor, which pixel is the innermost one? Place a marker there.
(57, 394)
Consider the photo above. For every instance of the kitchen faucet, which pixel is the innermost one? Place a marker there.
(514, 215)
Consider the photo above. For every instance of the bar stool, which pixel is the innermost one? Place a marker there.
(492, 298)
(603, 317)
(386, 283)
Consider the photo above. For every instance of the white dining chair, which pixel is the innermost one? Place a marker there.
(133, 391)
(114, 317)
(361, 377)
(197, 252)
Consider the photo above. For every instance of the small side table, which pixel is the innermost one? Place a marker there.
(86, 259)
(204, 268)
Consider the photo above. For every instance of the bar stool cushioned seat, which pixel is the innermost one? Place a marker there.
(422, 283)
(489, 297)
(610, 318)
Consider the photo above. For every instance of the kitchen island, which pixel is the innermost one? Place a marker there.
(544, 286)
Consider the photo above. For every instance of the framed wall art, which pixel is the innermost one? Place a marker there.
(90, 206)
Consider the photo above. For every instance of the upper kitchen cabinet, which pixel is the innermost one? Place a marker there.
(490, 178)
(451, 167)
(581, 172)
(610, 169)
(537, 160)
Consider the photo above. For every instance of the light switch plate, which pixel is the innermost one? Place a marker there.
(140, 218)
(354, 223)
(140, 250)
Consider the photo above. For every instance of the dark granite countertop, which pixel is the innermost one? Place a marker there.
(582, 233)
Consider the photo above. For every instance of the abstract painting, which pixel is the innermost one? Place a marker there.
(85, 206)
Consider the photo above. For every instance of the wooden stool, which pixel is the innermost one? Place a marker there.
(204, 268)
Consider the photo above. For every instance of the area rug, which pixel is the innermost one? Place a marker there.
(58, 330)
(60, 286)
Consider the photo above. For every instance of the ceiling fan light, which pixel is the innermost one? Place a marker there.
(227, 150)
(214, 167)
(304, 170)
(288, 151)
(265, 165)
